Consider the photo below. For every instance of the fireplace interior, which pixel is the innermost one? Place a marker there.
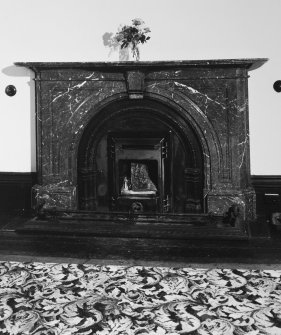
(128, 164)
(137, 176)
(150, 143)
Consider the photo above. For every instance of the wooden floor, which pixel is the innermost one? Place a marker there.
(74, 244)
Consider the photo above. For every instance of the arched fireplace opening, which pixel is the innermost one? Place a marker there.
(140, 156)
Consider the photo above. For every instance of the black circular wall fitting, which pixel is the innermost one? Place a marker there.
(277, 86)
(10, 90)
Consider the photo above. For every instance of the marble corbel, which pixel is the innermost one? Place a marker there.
(135, 84)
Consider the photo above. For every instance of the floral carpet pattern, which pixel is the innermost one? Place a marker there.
(52, 299)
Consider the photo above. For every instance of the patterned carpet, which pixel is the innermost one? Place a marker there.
(47, 299)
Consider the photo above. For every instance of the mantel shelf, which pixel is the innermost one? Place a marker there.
(247, 63)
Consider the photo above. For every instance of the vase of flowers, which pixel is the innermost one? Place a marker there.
(130, 37)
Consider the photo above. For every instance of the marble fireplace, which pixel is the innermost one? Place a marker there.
(145, 139)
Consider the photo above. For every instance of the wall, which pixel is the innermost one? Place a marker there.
(72, 30)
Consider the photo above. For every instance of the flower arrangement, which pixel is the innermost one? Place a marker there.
(132, 36)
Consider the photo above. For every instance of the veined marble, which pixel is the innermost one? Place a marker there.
(210, 96)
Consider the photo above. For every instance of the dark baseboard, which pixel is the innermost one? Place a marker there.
(268, 194)
(15, 191)
(264, 182)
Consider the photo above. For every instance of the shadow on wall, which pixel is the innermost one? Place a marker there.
(16, 71)
(114, 47)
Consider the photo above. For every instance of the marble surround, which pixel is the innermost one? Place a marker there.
(211, 96)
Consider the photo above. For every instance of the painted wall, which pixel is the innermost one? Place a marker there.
(72, 30)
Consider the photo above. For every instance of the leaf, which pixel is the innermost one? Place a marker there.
(124, 45)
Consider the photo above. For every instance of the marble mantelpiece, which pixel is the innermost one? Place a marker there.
(211, 96)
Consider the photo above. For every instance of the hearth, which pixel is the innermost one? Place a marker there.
(145, 142)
